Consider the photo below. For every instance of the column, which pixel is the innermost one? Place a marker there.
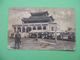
(41, 27)
(16, 28)
(25, 28)
(21, 28)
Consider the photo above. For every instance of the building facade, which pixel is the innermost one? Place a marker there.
(39, 22)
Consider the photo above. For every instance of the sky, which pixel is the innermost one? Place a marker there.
(64, 17)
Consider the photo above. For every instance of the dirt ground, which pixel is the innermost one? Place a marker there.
(43, 44)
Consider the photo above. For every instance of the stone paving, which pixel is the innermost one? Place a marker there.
(45, 44)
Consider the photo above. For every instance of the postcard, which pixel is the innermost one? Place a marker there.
(41, 29)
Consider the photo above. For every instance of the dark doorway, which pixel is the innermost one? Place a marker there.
(28, 29)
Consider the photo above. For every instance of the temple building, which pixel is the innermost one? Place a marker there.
(38, 22)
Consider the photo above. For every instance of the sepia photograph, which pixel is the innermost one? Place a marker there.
(41, 29)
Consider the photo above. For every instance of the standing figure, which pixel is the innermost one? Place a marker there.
(17, 40)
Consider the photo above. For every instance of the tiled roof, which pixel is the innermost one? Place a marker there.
(40, 14)
(38, 19)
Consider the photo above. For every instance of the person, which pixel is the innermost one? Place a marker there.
(17, 40)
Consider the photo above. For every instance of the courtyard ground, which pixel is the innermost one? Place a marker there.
(43, 44)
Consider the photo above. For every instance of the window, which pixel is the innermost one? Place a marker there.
(14, 29)
(19, 29)
(44, 27)
(52, 28)
(23, 29)
(34, 28)
(28, 29)
(39, 27)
